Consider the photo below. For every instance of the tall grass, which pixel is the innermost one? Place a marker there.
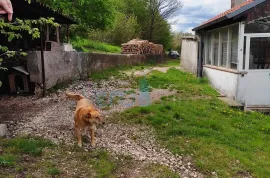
(87, 45)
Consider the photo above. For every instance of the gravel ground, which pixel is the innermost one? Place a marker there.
(52, 118)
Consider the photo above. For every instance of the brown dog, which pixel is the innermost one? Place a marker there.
(86, 115)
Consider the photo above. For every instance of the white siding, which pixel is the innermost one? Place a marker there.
(224, 82)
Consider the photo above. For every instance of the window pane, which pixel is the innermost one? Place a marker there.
(259, 53)
(208, 59)
(234, 47)
(215, 46)
(224, 43)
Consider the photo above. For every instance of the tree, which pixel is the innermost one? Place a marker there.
(124, 29)
(89, 14)
(177, 39)
(161, 9)
(162, 33)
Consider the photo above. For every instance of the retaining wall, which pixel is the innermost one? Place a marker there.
(62, 66)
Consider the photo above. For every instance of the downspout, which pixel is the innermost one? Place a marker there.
(200, 57)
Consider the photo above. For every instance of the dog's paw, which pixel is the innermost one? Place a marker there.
(80, 145)
(93, 144)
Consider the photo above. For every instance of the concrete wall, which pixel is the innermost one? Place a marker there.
(225, 82)
(62, 66)
(189, 55)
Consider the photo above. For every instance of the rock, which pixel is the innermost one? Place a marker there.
(3, 130)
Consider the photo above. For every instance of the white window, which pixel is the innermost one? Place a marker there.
(234, 47)
(207, 48)
(221, 47)
(224, 47)
(215, 48)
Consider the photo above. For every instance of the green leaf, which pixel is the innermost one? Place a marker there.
(10, 37)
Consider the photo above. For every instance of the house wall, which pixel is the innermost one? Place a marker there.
(63, 66)
(189, 55)
(224, 82)
(241, 90)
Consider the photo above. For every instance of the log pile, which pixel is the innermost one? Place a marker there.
(137, 46)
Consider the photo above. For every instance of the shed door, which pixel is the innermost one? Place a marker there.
(258, 67)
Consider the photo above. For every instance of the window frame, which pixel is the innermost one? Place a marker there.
(210, 44)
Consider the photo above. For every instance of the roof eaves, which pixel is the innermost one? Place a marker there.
(210, 23)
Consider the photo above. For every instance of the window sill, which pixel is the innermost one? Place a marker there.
(224, 69)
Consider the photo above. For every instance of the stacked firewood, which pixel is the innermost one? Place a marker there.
(137, 46)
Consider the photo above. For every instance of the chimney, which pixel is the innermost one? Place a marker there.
(236, 2)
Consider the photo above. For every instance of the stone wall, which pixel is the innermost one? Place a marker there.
(63, 66)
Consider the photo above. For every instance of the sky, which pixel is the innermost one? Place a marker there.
(194, 12)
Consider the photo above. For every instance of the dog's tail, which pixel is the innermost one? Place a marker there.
(75, 97)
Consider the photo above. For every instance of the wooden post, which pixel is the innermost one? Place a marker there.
(42, 60)
(57, 35)
(67, 33)
(47, 33)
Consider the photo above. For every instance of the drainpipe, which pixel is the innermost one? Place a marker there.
(42, 61)
(200, 57)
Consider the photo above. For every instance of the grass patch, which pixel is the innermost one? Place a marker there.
(14, 150)
(7, 160)
(103, 163)
(119, 71)
(170, 63)
(53, 171)
(87, 45)
(22, 156)
(194, 122)
(221, 139)
(156, 170)
(29, 146)
(185, 83)
(116, 72)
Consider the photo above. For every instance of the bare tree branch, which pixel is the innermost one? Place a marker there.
(162, 8)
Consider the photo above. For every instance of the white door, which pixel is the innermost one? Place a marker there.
(257, 66)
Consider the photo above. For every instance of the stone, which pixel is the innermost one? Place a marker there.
(3, 130)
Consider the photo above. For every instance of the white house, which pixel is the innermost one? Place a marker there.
(234, 52)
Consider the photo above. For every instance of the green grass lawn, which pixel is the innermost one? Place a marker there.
(194, 122)
(87, 45)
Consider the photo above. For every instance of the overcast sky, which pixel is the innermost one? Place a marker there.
(194, 12)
